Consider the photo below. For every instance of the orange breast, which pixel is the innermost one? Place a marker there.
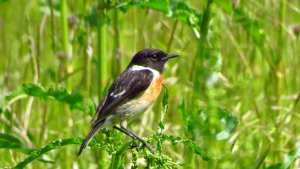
(140, 104)
(153, 90)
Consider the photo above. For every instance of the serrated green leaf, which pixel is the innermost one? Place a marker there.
(55, 145)
(33, 90)
(73, 99)
(63, 95)
(176, 140)
(171, 8)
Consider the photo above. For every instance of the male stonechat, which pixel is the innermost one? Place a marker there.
(131, 94)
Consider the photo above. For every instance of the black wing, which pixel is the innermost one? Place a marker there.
(125, 87)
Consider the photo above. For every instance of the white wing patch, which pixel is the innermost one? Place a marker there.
(156, 74)
(118, 94)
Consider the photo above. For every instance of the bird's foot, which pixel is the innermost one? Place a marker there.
(140, 147)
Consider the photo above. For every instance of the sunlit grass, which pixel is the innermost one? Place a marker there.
(233, 95)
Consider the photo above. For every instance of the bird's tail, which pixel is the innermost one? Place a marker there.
(89, 137)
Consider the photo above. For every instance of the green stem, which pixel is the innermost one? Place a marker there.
(101, 60)
(65, 39)
(116, 60)
(52, 25)
(64, 24)
(202, 72)
(172, 36)
(101, 65)
(189, 157)
(117, 157)
(202, 53)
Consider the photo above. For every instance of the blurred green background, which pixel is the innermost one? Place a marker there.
(230, 101)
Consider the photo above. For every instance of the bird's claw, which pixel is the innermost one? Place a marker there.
(144, 144)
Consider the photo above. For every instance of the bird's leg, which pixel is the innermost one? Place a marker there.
(134, 137)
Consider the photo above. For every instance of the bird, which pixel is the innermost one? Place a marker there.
(131, 93)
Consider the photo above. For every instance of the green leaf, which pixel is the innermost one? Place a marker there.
(171, 8)
(251, 25)
(33, 90)
(190, 143)
(229, 123)
(55, 145)
(276, 166)
(159, 5)
(225, 5)
(1, 1)
(92, 19)
(182, 108)
(11, 142)
(117, 157)
(289, 158)
(161, 126)
(215, 122)
(164, 111)
(73, 99)
(63, 95)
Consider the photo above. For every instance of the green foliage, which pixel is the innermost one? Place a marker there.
(73, 99)
(173, 9)
(51, 146)
(232, 99)
(252, 26)
(289, 158)
(11, 142)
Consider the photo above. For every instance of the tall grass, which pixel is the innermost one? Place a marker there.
(231, 100)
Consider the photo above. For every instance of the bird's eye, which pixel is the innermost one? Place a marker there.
(154, 57)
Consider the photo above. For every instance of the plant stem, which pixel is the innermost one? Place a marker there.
(64, 24)
(65, 39)
(52, 25)
(101, 64)
(202, 52)
(202, 72)
(172, 35)
(116, 60)
(117, 158)
(101, 60)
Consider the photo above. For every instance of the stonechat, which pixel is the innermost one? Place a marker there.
(131, 94)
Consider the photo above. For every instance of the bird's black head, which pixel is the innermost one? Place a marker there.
(153, 58)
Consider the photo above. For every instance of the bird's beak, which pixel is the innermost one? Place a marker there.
(170, 56)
